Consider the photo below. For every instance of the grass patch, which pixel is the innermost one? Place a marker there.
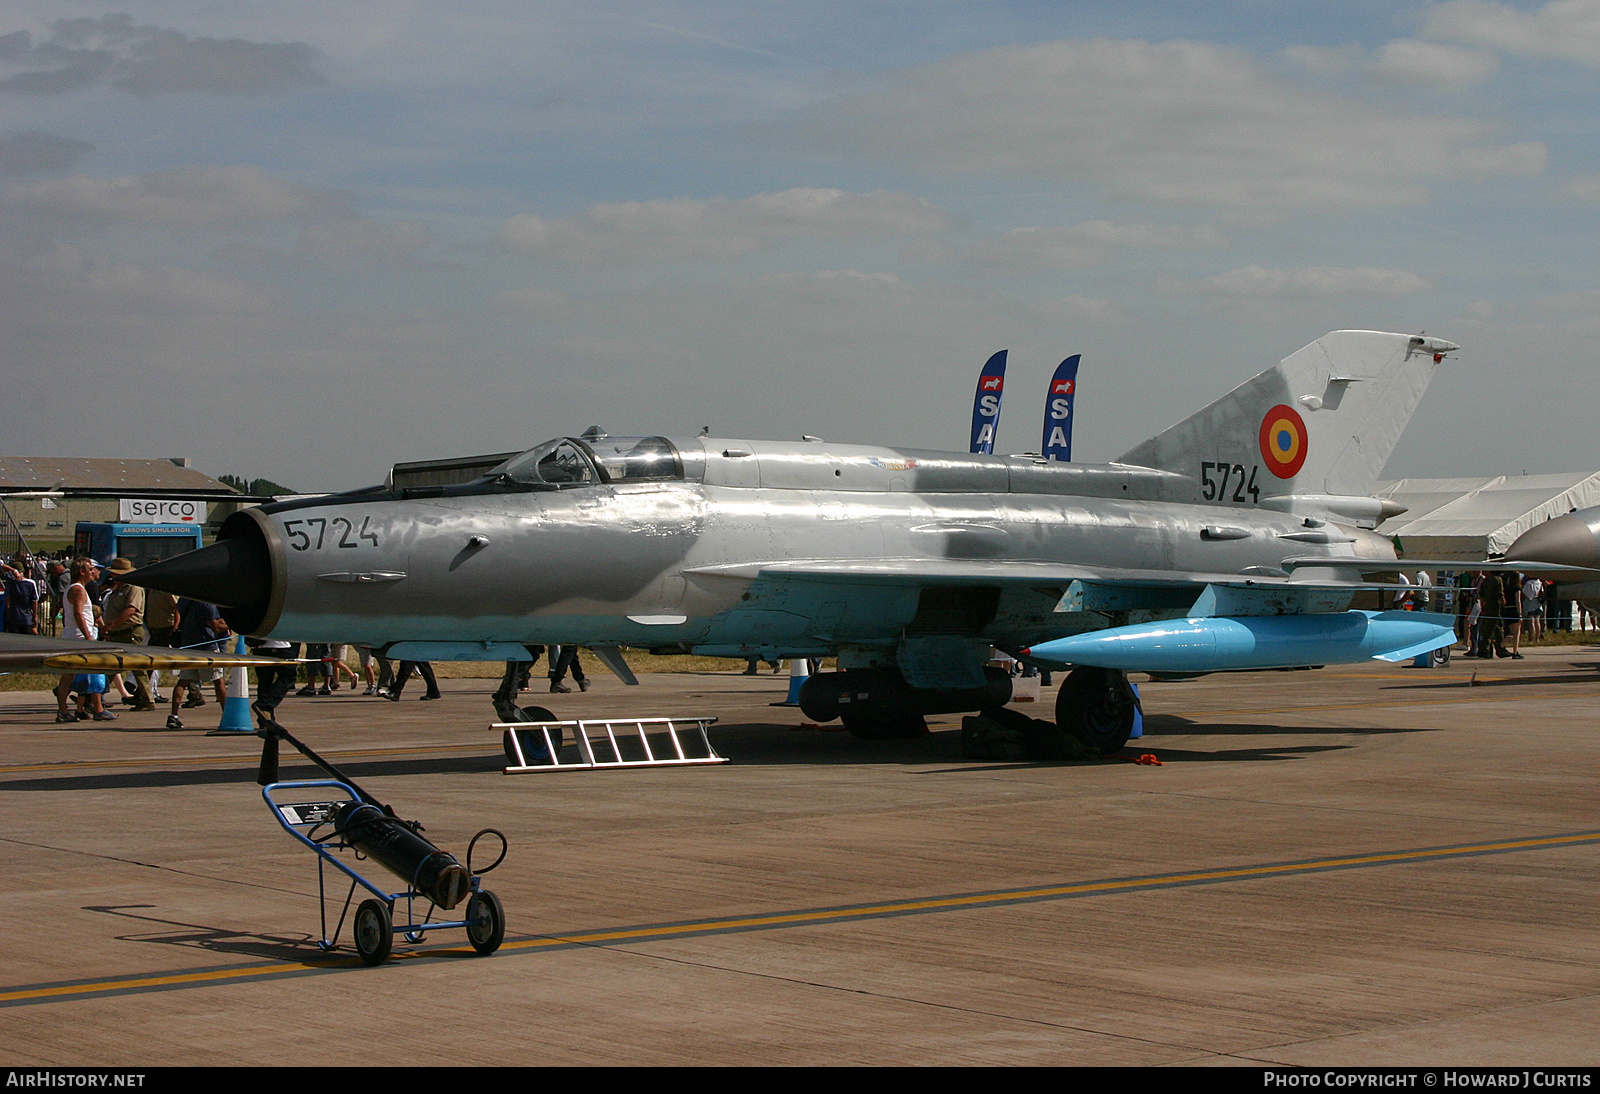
(1565, 638)
(29, 681)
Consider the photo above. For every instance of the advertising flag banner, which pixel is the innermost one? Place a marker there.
(1057, 444)
(986, 404)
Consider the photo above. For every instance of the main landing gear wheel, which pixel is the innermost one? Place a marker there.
(873, 727)
(373, 932)
(1097, 707)
(532, 714)
(486, 927)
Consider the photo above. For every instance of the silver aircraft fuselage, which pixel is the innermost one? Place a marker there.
(1250, 520)
(717, 557)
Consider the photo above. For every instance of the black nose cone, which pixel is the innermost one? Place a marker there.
(232, 573)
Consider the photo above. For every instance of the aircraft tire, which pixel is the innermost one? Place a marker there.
(372, 931)
(885, 728)
(1097, 707)
(486, 922)
(544, 714)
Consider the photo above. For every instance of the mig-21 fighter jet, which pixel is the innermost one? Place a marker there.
(1234, 540)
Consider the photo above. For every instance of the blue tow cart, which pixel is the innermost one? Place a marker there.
(368, 830)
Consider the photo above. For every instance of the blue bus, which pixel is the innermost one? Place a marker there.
(141, 544)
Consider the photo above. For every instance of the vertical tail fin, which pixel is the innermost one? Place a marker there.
(1323, 421)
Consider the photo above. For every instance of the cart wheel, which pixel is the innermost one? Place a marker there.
(487, 922)
(374, 938)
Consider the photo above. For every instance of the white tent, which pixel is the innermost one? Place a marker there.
(1473, 519)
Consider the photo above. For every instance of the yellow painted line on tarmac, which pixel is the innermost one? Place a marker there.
(139, 983)
(1393, 676)
(25, 995)
(1058, 891)
(191, 761)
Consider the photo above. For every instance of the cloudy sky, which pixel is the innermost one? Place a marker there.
(305, 241)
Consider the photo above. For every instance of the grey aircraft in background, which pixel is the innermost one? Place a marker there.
(1233, 540)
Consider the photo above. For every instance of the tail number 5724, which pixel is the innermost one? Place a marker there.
(1215, 478)
(319, 532)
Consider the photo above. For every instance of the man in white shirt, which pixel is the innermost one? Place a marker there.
(77, 621)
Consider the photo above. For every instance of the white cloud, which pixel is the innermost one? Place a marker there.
(72, 275)
(1079, 308)
(187, 198)
(679, 229)
(533, 303)
(1311, 281)
(1584, 303)
(1183, 123)
(752, 357)
(1069, 246)
(149, 60)
(31, 152)
(1431, 65)
(1327, 60)
(1584, 188)
(350, 236)
(1568, 29)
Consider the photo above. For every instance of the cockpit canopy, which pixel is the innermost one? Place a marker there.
(568, 461)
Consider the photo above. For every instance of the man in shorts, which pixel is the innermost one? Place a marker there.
(124, 617)
(77, 621)
(90, 688)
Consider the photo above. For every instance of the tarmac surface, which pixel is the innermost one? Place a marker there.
(1358, 865)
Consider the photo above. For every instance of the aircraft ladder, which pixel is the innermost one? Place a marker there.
(608, 743)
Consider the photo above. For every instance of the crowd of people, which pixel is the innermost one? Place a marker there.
(1498, 609)
(78, 598)
(1493, 610)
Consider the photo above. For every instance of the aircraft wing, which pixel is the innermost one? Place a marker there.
(36, 653)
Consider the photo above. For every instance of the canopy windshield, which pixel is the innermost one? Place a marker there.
(568, 462)
(637, 459)
(559, 462)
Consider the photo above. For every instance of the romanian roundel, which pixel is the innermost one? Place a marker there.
(1283, 441)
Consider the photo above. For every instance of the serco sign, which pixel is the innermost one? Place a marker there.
(161, 511)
